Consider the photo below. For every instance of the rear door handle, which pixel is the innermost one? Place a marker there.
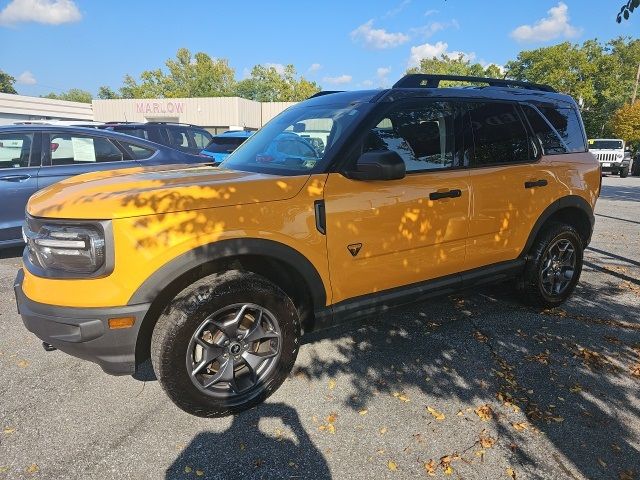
(535, 183)
(15, 178)
(448, 194)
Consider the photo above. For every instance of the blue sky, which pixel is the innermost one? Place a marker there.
(54, 45)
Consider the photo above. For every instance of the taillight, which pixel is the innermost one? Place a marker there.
(54, 146)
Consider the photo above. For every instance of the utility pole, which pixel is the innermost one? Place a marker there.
(635, 90)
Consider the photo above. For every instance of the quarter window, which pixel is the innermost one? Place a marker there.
(567, 124)
(422, 135)
(551, 143)
(15, 150)
(201, 140)
(499, 134)
(70, 149)
(139, 153)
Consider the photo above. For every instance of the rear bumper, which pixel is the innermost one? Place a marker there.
(84, 332)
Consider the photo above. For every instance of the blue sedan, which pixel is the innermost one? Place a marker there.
(35, 156)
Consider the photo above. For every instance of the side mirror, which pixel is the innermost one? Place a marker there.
(379, 165)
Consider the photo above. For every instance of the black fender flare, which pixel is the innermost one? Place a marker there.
(570, 201)
(165, 275)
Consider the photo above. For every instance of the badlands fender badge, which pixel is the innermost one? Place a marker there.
(354, 248)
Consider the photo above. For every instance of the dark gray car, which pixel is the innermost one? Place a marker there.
(35, 156)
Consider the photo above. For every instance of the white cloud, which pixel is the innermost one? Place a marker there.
(367, 83)
(428, 50)
(315, 67)
(428, 13)
(377, 38)
(555, 25)
(277, 66)
(383, 71)
(26, 78)
(433, 28)
(339, 80)
(51, 12)
(395, 11)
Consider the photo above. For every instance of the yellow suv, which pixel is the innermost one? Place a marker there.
(344, 205)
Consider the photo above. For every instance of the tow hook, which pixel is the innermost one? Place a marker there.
(48, 347)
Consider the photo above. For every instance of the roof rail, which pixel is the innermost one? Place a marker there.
(171, 123)
(325, 92)
(417, 80)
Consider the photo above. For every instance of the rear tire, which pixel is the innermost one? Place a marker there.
(225, 343)
(624, 173)
(553, 267)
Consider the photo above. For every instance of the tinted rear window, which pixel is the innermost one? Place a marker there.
(224, 144)
(547, 136)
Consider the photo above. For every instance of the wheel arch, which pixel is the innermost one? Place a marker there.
(279, 263)
(573, 210)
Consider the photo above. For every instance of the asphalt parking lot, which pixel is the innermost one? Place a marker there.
(469, 386)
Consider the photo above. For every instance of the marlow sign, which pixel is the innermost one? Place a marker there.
(156, 107)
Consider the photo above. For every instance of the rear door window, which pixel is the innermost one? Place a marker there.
(549, 139)
(79, 149)
(178, 137)
(15, 150)
(499, 134)
(199, 137)
(138, 152)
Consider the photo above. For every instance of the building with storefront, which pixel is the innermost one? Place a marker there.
(215, 114)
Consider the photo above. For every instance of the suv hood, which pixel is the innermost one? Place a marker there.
(142, 191)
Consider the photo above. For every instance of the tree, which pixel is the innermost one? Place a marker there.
(598, 75)
(6, 83)
(107, 93)
(626, 123)
(452, 65)
(188, 75)
(267, 84)
(73, 95)
(627, 9)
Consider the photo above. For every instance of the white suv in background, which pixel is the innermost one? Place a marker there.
(611, 155)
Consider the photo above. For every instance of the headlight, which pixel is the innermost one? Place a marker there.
(67, 249)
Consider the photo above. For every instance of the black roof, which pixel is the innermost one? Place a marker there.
(423, 85)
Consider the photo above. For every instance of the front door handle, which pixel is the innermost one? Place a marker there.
(447, 194)
(15, 178)
(535, 183)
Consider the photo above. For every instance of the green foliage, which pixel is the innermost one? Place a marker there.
(602, 75)
(6, 83)
(73, 95)
(447, 65)
(626, 123)
(266, 84)
(106, 93)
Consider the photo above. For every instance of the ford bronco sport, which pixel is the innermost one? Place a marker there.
(215, 272)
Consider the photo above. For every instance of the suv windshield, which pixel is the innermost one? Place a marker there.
(605, 144)
(295, 142)
(224, 144)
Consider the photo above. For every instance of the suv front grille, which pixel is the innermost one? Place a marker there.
(606, 157)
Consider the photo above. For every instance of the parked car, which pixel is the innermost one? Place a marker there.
(35, 156)
(222, 145)
(218, 271)
(187, 138)
(289, 148)
(612, 155)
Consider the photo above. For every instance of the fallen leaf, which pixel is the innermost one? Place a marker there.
(576, 388)
(33, 468)
(23, 364)
(512, 473)
(363, 411)
(437, 415)
(401, 396)
(486, 441)
(188, 469)
(383, 430)
(391, 465)
(602, 463)
(430, 467)
(484, 412)
(332, 418)
(332, 384)
(480, 337)
(520, 426)
(199, 473)
(8, 430)
(627, 475)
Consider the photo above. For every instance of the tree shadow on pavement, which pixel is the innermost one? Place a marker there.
(245, 451)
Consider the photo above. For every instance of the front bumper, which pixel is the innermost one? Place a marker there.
(613, 166)
(84, 332)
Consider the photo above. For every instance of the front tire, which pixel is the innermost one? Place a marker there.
(225, 343)
(553, 267)
(624, 173)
